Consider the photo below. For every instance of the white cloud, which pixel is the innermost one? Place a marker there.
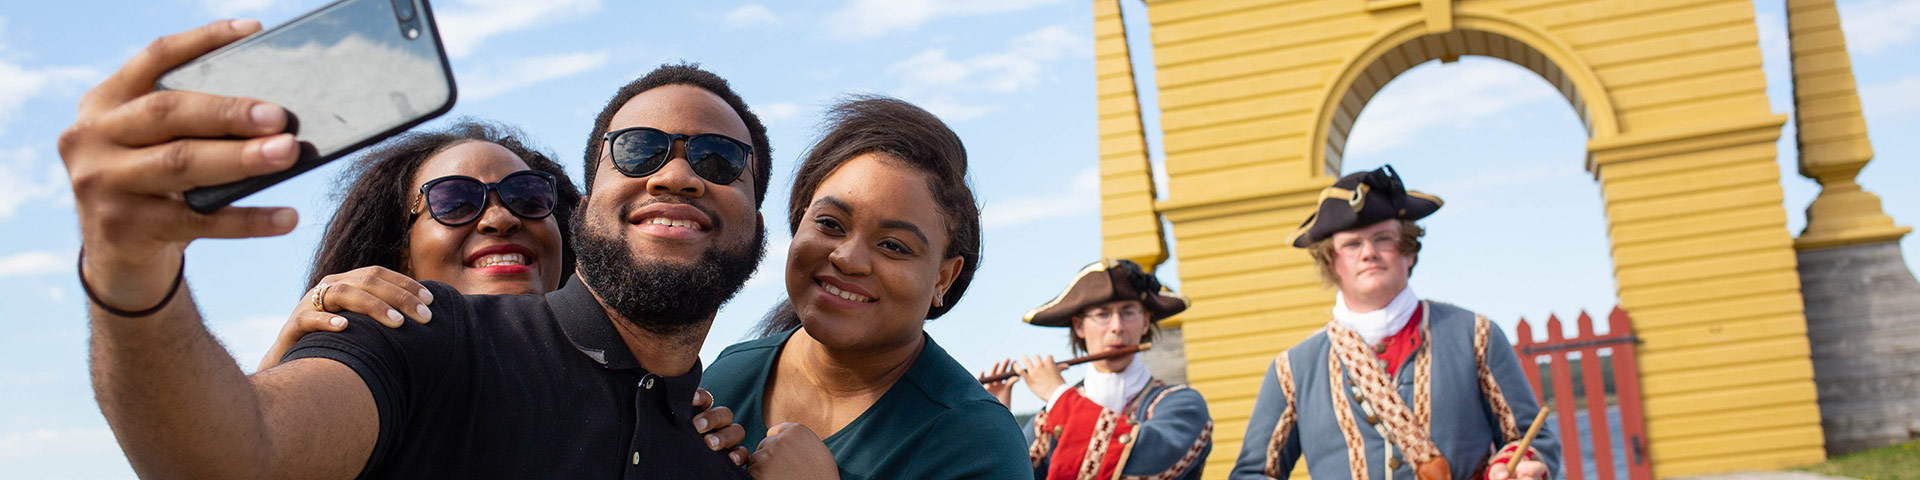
(465, 26)
(1082, 197)
(1020, 67)
(229, 8)
(934, 80)
(27, 264)
(1893, 98)
(1470, 92)
(869, 19)
(514, 73)
(35, 443)
(19, 83)
(1874, 26)
(751, 16)
(777, 112)
(25, 179)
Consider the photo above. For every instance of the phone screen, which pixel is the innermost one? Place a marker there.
(351, 73)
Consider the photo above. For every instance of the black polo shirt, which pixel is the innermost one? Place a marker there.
(518, 386)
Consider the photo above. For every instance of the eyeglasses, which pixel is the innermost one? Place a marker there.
(1383, 242)
(1101, 318)
(456, 200)
(641, 151)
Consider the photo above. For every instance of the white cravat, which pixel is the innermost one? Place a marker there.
(1111, 390)
(1379, 324)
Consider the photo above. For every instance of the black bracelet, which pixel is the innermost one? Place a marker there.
(177, 278)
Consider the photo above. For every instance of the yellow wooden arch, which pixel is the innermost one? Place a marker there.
(1255, 98)
(1475, 32)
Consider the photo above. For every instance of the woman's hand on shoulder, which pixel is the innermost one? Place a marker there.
(715, 424)
(792, 450)
(385, 295)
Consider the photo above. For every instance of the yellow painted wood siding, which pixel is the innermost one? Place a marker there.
(1256, 97)
(1832, 133)
(1128, 222)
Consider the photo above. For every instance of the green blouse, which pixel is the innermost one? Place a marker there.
(935, 422)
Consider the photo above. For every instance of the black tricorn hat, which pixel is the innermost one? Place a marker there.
(1105, 281)
(1360, 199)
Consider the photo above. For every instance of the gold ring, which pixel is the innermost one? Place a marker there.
(320, 296)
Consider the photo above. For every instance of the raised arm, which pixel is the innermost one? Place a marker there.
(178, 404)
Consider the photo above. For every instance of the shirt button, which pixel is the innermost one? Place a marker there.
(647, 383)
(636, 458)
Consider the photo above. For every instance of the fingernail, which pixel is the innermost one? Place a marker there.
(283, 219)
(243, 24)
(425, 314)
(713, 442)
(426, 296)
(279, 151)
(736, 457)
(393, 315)
(338, 322)
(265, 115)
(700, 424)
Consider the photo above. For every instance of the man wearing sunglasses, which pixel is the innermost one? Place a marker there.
(591, 381)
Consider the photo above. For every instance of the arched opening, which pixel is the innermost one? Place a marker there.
(1399, 50)
(1499, 130)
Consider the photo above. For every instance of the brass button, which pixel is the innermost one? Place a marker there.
(1124, 438)
(1057, 431)
(1373, 420)
(1393, 463)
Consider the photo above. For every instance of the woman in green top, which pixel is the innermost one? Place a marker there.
(886, 235)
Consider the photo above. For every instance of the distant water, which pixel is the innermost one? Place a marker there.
(1614, 434)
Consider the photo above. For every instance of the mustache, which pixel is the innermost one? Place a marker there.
(626, 211)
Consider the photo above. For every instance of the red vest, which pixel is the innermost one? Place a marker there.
(1088, 438)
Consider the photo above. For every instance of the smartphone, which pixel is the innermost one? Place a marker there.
(350, 74)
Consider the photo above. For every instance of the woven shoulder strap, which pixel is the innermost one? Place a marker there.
(1497, 400)
(1283, 372)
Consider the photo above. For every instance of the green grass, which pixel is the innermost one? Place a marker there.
(1893, 462)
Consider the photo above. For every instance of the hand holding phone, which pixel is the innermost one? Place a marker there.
(350, 74)
(132, 150)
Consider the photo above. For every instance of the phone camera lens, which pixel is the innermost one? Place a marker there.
(403, 9)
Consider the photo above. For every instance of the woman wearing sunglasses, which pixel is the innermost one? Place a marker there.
(470, 206)
(886, 236)
(420, 207)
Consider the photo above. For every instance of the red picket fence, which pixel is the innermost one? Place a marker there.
(1625, 379)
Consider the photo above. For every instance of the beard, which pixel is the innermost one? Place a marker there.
(662, 296)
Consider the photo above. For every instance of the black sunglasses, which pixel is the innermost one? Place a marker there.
(640, 151)
(456, 200)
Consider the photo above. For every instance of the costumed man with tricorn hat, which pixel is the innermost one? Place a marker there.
(1394, 386)
(1119, 421)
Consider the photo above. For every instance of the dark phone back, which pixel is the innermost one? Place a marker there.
(351, 73)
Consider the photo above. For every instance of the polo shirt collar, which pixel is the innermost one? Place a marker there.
(591, 331)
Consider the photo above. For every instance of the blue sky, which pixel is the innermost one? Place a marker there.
(1522, 234)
